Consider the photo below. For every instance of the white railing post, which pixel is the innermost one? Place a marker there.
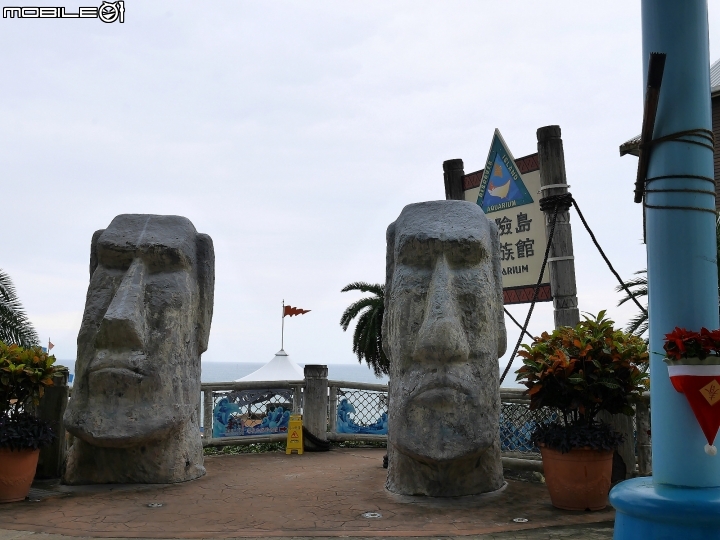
(332, 409)
(297, 399)
(207, 414)
(316, 400)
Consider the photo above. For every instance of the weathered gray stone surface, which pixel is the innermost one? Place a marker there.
(443, 330)
(147, 321)
(51, 408)
(315, 399)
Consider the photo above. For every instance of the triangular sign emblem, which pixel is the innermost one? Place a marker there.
(294, 435)
(501, 186)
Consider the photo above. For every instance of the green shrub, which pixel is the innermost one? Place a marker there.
(24, 375)
(581, 371)
(255, 448)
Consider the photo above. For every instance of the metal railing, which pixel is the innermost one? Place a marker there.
(247, 412)
(358, 412)
(517, 422)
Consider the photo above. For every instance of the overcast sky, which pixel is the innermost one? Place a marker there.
(293, 133)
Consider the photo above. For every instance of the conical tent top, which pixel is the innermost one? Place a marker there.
(280, 368)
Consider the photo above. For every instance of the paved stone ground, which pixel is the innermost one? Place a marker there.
(310, 496)
(582, 532)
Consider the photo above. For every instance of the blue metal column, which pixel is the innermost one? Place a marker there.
(682, 498)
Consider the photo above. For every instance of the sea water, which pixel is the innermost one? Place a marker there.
(230, 371)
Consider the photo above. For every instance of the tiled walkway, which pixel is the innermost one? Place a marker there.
(312, 495)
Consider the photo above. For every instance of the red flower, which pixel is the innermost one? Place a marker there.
(682, 343)
(714, 337)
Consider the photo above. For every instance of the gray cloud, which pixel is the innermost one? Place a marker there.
(293, 133)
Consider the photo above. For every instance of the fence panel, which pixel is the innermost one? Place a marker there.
(357, 411)
(243, 413)
(517, 422)
(240, 413)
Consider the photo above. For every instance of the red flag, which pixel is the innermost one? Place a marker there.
(50, 345)
(289, 310)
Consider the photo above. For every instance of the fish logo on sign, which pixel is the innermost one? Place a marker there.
(501, 186)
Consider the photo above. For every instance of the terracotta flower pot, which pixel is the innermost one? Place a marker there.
(17, 470)
(579, 479)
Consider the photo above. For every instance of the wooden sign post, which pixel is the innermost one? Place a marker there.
(561, 261)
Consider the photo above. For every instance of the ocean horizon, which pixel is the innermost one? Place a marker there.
(230, 371)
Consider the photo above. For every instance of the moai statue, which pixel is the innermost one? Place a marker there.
(146, 323)
(443, 331)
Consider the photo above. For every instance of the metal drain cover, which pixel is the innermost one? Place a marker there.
(154, 505)
(372, 515)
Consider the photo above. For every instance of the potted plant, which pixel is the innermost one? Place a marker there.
(693, 360)
(579, 372)
(24, 374)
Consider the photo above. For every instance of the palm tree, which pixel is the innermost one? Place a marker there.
(15, 327)
(367, 339)
(638, 325)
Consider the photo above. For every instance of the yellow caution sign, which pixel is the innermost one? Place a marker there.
(295, 437)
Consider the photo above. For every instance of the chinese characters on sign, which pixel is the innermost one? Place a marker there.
(510, 198)
(524, 248)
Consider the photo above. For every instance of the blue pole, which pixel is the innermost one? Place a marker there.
(682, 498)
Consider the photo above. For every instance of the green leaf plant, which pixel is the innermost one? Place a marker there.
(581, 371)
(24, 375)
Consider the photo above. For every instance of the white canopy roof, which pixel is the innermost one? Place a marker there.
(280, 368)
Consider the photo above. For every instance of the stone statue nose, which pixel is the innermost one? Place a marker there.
(124, 325)
(441, 338)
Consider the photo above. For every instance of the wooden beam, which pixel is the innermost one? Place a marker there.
(652, 98)
(453, 172)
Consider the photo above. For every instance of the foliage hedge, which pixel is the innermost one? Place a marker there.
(24, 375)
(581, 371)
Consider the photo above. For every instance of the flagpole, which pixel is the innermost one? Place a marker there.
(282, 329)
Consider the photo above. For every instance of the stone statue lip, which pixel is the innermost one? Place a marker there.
(444, 383)
(115, 371)
(121, 362)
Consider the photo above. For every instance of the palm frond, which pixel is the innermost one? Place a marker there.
(638, 293)
(15, 327)
(638, 288)
(367, 337)
(638, 325)
(354, 309)
(375, 288)
(639, 284)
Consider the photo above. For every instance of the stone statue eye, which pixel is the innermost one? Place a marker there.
(418, 261)
(160, 297)
(467, 257)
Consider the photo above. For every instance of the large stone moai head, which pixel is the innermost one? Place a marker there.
(443, 331)
(146, 323)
